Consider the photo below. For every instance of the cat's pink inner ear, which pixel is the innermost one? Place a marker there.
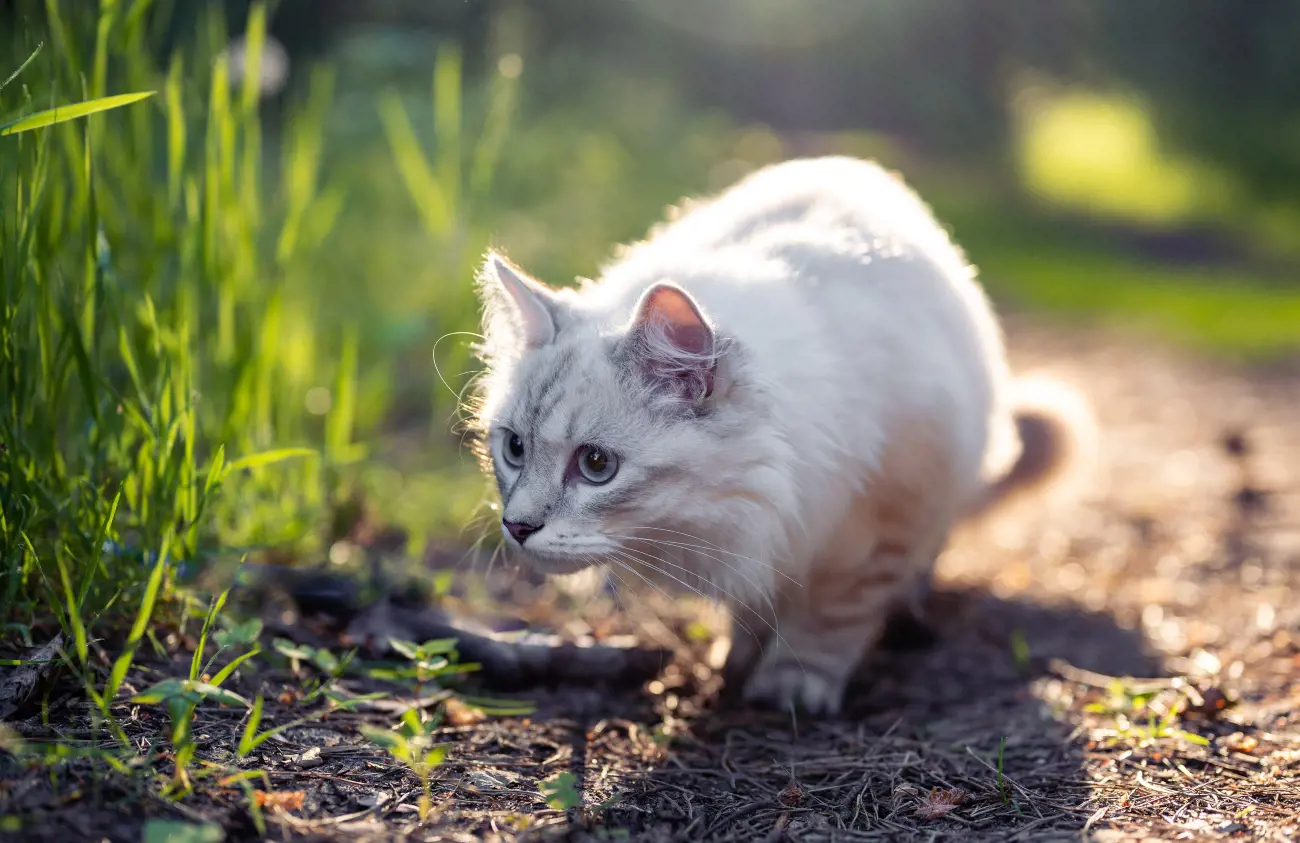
(678, 343)
(672, 310)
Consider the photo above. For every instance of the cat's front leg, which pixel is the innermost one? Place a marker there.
(824, 630)
(750, 630)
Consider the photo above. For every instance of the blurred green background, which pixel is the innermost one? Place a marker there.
(269, 253)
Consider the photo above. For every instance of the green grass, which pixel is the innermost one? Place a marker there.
(1100, 152)
(188, 377)
(1036, 263)
(204, 335)
(141, 353)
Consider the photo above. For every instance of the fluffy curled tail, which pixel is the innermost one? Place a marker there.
(1057, 436)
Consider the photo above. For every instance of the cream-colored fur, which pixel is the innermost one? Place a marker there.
(803, 387)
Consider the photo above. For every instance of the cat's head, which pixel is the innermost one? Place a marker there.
(600, 429)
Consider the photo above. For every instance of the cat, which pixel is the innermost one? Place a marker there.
(784, 399)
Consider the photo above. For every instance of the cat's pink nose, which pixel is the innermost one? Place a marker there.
(519, 530)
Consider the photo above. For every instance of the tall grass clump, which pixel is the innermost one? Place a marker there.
(150, 404)
(203, 334)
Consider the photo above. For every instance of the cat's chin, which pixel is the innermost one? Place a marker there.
(555, 565)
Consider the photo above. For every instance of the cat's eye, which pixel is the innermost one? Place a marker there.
(596, 465)
(512, 449)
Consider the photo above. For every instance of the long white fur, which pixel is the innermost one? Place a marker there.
(855, 353)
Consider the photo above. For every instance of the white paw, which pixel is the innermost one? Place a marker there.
(785, 684)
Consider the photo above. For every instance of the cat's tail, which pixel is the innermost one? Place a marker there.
(1057, 435)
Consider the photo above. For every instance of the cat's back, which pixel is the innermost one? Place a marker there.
(846, 203)
(822, 218)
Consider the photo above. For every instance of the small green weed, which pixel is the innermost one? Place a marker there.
(1003, 790)
(411, 744)
(175, 831)
(1144, 713)
(331, 666)
(560, 791)
(181, 697)
(1020, 653)
(427, 661)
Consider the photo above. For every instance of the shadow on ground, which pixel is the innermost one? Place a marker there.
(926, 731)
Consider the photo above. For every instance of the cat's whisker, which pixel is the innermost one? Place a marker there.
(498, 552)
(758, 587)
(768, 565)
(653, 612)
(631, 591)
(632, 570)
(617, 594)
(748, 630)
(438, 370)
(649, 563)
(702, 551)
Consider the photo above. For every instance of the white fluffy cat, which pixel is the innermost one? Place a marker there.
(784, 399)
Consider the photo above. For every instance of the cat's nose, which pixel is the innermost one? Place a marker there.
(519, 530)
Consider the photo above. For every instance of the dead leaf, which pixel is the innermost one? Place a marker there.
(1208, 702)
(461, 714)
(939, 802)
(308, 759)
(791, 795)
(904, 794)
(279, 800)
(17, 684)
(1240, 742)
(1283, 757)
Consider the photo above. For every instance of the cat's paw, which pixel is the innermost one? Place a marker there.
(786, 684)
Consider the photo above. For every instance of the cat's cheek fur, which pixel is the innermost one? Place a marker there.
(806, 388)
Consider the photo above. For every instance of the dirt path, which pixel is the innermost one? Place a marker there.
(1181, 557)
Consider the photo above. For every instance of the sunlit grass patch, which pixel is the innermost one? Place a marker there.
(1100, 153)
(1038, 263)
(1221, 311)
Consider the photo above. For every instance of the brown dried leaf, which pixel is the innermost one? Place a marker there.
(279, 800)
(1208, 702)
(1240, 742)
(460, 714)
(939, 802)
(904, 794)
(307, 759)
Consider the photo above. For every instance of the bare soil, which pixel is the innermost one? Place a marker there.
(1119, 663)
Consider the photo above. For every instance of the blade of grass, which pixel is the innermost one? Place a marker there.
(429, 196)
(226, 672)
(152, 589)
(196, 661)
(64, 113)
(22, 67)
(266, 458)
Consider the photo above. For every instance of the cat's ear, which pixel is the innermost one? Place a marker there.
(672, 343)
(519, 311)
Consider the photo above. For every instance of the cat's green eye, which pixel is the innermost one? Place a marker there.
(596, 465)
(512, 449)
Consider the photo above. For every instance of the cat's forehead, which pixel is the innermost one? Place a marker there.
(561, 392)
